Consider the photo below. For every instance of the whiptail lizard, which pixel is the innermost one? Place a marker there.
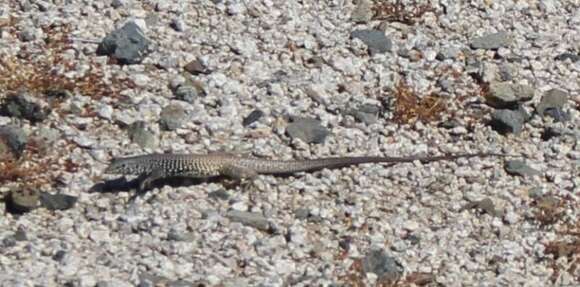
(157, 166)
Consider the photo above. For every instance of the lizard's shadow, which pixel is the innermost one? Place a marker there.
(121, 184)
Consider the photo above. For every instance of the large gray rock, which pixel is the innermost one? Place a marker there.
(128, 44)
(508, 121)
(503, 95)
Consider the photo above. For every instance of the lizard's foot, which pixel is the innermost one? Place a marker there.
(146, 182)
(231, 183)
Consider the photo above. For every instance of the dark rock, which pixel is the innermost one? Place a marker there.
(375, 40)
(345, 243)
(492, 41)
(59, 256)
(221, 194)
(22, 200)
(139, 134)
(20, 234)
(173, 117)
(503, 95)
(57, 201)
(552, 103)
(308, 130)
(551, 132)
(128, 44)
(385, 267)
(507, 121)
(567, 56)
(254, 116)
(196, 67)
(23, 106)
(13, 141)
(519, 167)
(252, 219)
(177, 24)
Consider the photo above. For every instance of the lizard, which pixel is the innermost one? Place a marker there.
(202, 166)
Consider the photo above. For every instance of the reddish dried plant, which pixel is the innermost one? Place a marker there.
(397, 11)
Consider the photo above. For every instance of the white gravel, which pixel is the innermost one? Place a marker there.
(263, 55)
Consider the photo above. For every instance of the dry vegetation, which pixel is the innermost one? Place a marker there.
(397, 11)
(43, 69)
(550, 212)
(409, 107)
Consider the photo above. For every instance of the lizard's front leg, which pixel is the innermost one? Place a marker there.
(150, 178)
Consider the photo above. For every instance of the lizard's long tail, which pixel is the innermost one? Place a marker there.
(287, 167)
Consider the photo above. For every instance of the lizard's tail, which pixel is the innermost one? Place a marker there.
(288, 167)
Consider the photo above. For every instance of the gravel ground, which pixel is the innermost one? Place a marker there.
(82, 82)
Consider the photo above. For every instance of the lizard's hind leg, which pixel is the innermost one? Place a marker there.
(242, 176)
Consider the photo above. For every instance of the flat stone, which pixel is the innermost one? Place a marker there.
(503, 95)
(519, 167)
(492, 41)
(366, 113)
(375, 40)
(252, 219)
(308, 130)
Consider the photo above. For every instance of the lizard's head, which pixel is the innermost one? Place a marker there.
(121, 166)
